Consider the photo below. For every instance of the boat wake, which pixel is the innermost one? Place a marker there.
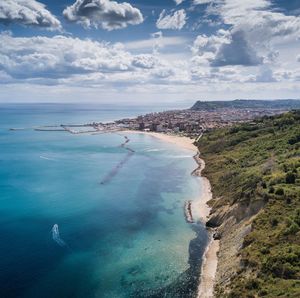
(154, 150)
(47, 158)
(56, 236)
(179, 156)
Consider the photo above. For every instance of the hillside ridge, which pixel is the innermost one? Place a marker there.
(254, 170)
(287, 104)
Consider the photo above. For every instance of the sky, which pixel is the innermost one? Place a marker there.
(148, 52)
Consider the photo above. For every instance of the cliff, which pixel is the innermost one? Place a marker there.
(254, 170)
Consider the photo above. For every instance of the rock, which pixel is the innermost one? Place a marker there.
(217, 235)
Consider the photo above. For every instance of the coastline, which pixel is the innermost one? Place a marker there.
(201, 209)
(183, 142)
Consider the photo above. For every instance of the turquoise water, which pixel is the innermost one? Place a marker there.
(64, 234)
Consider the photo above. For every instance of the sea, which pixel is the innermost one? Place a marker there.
(83, 216)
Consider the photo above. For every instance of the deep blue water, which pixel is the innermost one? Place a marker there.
(125, 238)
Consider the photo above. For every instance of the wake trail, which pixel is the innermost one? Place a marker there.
(56, 236)
(47, 158)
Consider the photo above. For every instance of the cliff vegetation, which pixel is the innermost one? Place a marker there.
(254, 169)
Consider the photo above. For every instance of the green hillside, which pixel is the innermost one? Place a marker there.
(261, 160)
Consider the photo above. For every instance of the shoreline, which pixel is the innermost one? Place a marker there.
(200, 209)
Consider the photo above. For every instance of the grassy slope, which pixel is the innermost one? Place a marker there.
(261, 159)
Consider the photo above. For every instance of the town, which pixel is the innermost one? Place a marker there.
(193, 122)
(190, 122)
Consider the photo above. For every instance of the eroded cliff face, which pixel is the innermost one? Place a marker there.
(254, 171)
(231, 224)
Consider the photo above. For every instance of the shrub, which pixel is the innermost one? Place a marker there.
(279, 192)
(297, 217)
(252, 284)
(292, 229)
(288, 200)
(263, 293)
(264, 250)
(271, 189)
(279, 268)
(290, 178)
(274, 221)
(295, 139)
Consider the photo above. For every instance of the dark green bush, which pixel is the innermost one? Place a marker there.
(292, 229)
(290, 178)
(279, 192)
(295, 139)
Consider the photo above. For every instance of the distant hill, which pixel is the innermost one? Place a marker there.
(247, 104)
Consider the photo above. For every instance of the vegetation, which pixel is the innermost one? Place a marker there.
(247, 104)
(261, 161)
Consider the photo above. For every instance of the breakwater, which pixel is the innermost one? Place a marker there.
(114, 172)
(188, 212)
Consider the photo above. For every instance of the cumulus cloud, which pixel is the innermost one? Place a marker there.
(59, 56)
(254, 29)
(204, 43)
(175, 21)
(61, 60)
(147, 61)
(67, 60)
(157, 43)
(256, 18)
(237, 52)
(224, 56)
(163, 72)
(27, 13)
(225, 48)
(106, 14)
(265, 75)
(178, 1)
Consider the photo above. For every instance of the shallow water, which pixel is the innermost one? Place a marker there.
(124, 238)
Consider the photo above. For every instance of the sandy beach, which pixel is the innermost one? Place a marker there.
(183, 142)
(208, 270)
(200, 210)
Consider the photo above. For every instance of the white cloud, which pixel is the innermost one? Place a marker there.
(27, 13)
(61, 60)
(106, 14)
(254, 32)
(66, 60)
(237, 52)
(155, 43)
(175, 21)
(265, 75)
(163, 72)
(178, 1)
(256, 18)
(204, 43)
(255, 36)
(225, 48)
(197, 2)
(59, 56)
(145, 61)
